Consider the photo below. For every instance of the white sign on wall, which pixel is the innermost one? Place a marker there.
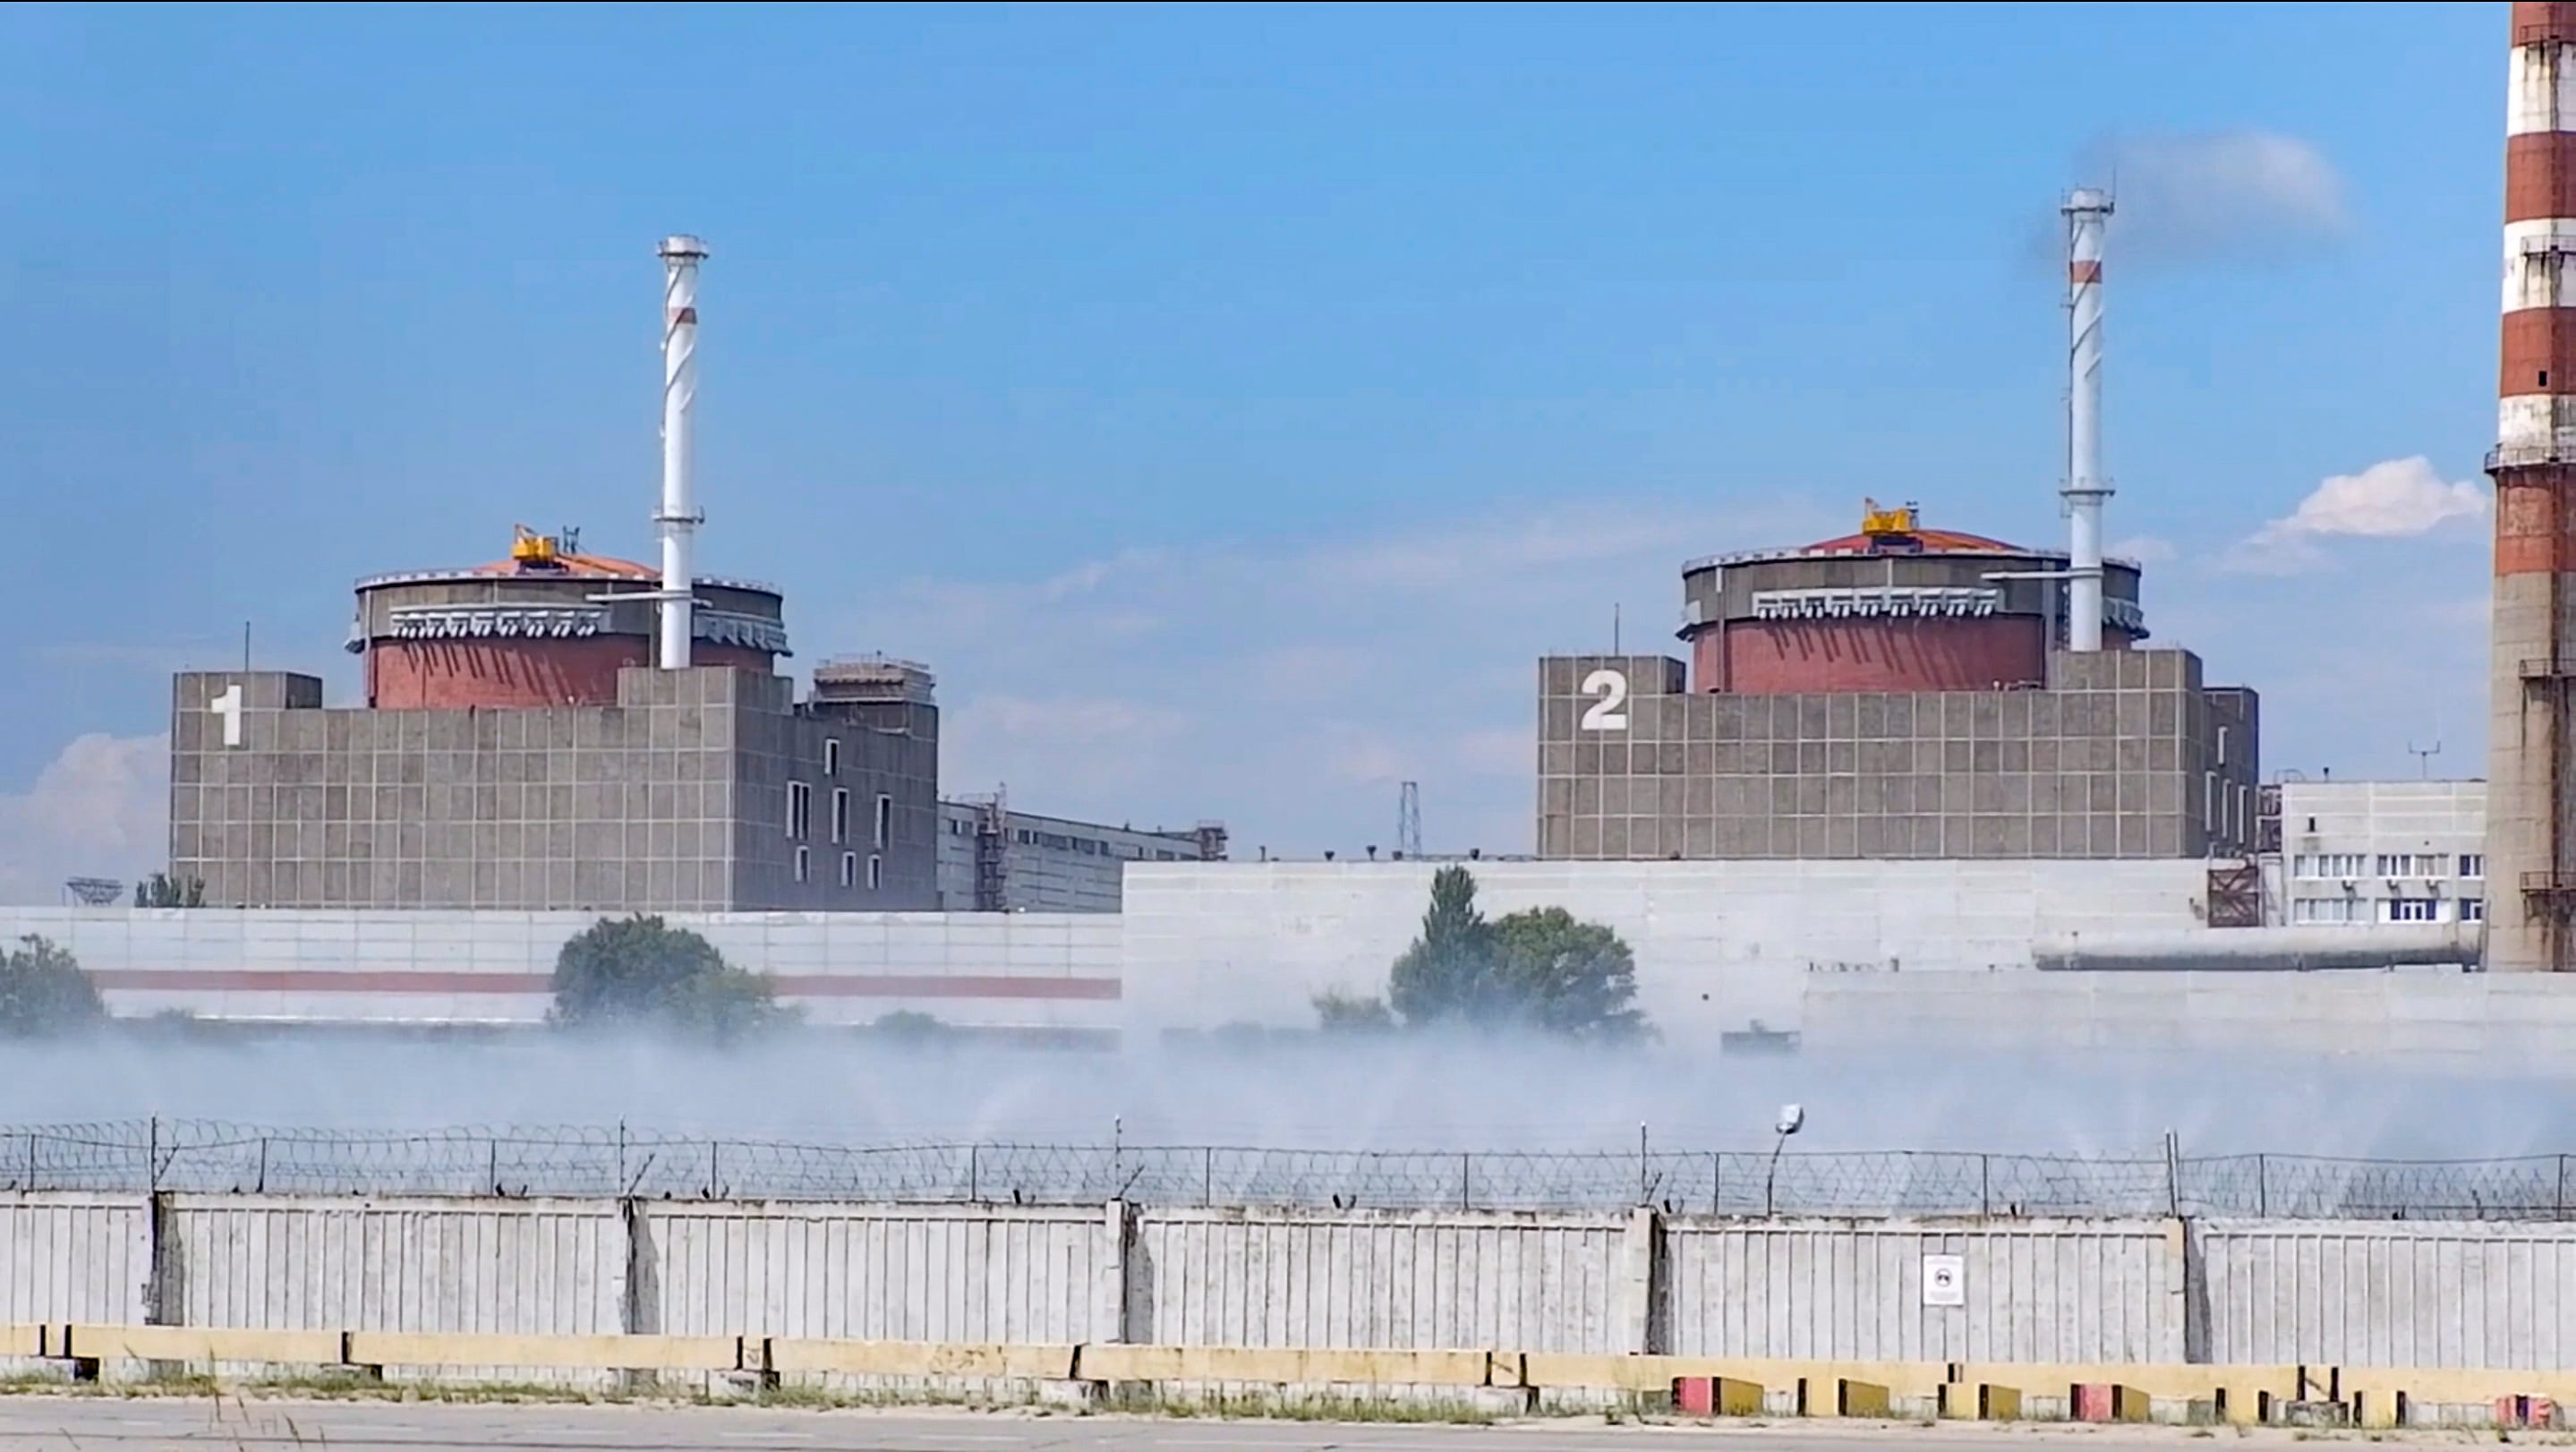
(1609, 692)
(228, 709)
(1945, 1280)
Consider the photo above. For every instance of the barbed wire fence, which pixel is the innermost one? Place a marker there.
(148, 1156)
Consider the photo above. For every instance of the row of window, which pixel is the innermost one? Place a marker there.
(849, 868)
(800, 814)
(2386, 864)
(2384, 910)
(1056, 841)
(2224, 812)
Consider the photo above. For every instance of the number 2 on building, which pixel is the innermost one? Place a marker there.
(1609, 712)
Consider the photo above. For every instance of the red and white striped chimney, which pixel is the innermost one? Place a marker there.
(2531, 784)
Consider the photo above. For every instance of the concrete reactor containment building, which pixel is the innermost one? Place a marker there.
(558, 730)
(547, 626)
(708, 788)
(1900, 692)
(1907, 692)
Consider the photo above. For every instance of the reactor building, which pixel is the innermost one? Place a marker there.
(547, 626)
(1901, 692)
(563, 730)
(1910, 692)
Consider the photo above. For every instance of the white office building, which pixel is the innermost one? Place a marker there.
(2364, 852)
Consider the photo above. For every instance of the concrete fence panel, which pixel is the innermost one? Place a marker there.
(880, 1272)
(2393, 1293)
(2054, 1291)
(533, 1267)
(1393, 1280)
(75, 1257)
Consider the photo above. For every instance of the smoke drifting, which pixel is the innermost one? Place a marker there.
(1322, 1095)
(2231, 196)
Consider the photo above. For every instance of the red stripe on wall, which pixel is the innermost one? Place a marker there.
(896, 985)
(793, 985)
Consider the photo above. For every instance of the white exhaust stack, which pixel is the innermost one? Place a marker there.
(679, 517)
(2087, 210)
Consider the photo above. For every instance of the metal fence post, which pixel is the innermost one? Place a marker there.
(2262, 1186)
(2173, 1174)
(974, 1191)
(715, 1176)
(1716, 1173)
(2561, 1206)
(263, 1166)
(1985, 1184)
(1207, 1177)
(1466, 1195)
(621, 1159)
(31, 1162)
(1645, 1181)
(152, 1156)
(492, 1161)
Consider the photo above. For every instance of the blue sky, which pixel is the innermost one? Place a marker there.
(1229, 403)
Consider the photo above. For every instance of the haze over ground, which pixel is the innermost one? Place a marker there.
(1508, 1095)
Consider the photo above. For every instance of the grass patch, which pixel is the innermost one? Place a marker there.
(1279, 1407)
(350, 1384)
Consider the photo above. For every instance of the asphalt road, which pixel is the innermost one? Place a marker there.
(70, 1424)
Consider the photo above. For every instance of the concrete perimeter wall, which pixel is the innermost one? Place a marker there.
(2078, 1291)
(73, 1256)
(2084, 1292)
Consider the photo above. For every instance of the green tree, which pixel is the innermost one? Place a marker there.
(1346, 1013)
(908, 1025)
(1554, 973)
(1540, 969)
(161, 890)
(43, 991)
(640, 972)
(1446, 974)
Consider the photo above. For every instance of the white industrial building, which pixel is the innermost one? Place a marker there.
(993, 859)
(2369, 852)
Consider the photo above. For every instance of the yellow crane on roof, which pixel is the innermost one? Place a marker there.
(529, 548)
(1875, 521)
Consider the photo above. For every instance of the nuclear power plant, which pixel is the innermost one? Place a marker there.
(1913, 775)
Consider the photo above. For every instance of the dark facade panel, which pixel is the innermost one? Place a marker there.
(2125, 754)
(709, 789)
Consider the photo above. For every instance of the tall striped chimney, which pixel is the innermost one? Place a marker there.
(2531, 870)
(678, 518)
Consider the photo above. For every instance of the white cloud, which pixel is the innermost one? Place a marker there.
(2392, 499)
(101, 808)
(2231, 194)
